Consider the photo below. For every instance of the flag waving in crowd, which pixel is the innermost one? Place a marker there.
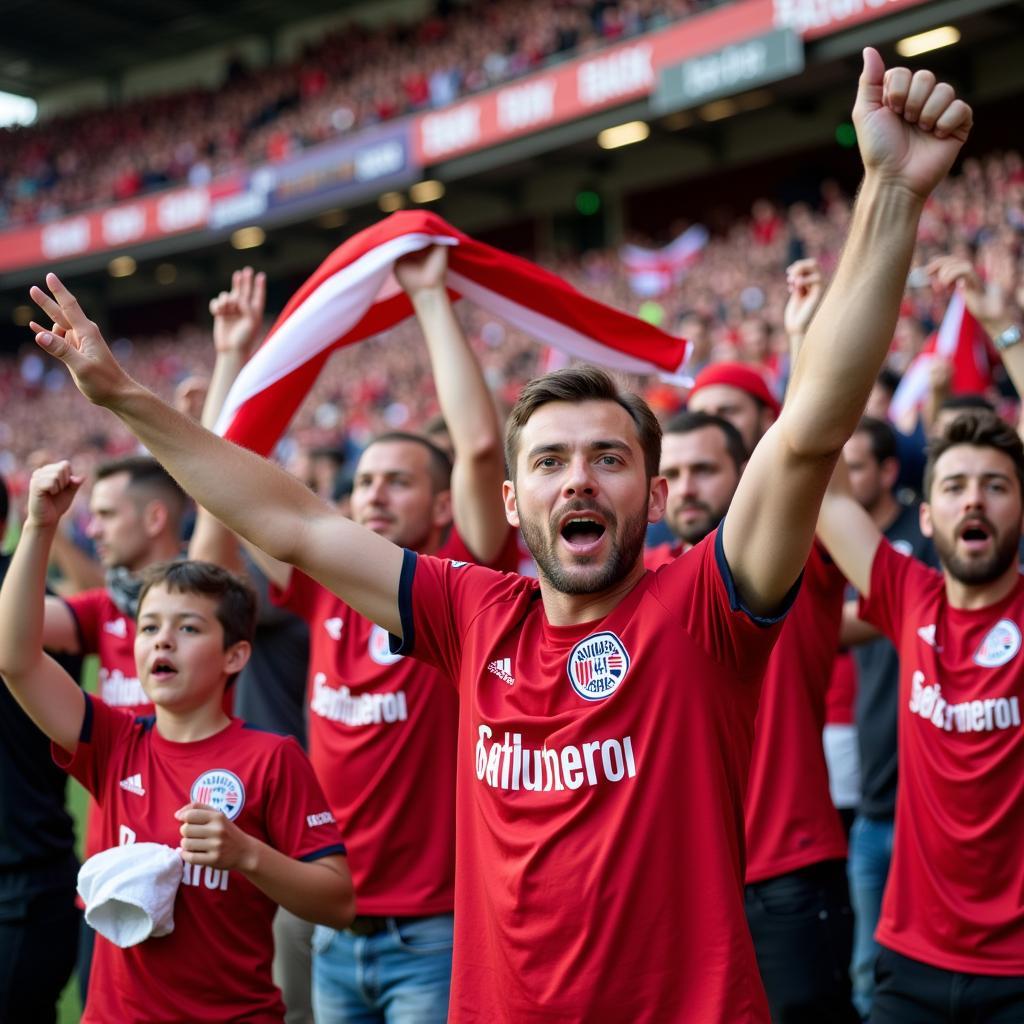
(352, 296)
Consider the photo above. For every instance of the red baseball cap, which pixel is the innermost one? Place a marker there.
(740, 376)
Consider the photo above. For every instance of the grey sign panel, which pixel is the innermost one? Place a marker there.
(730, 70)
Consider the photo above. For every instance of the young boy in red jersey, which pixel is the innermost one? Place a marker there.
(952, 922)
(243, 806)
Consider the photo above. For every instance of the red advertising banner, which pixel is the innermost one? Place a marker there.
(127, 224)
(625, 72)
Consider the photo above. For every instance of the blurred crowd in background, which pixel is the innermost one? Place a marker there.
(729, 304)
(351, 78)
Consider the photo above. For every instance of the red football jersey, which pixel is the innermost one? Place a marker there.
(383, 742)
(107, 632)
(791, 820)
(955, 896)
(601, 776)
(215, 965)
(661, 554)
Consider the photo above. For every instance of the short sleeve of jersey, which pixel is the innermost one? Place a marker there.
(104, 728)
(822, 575)
(298, 819)
(299, 596)
(891, 575)
(85, 608)
(698, 588)
(437, 599)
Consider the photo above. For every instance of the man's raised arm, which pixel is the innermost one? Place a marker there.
(478, 463)
(245, 492)
(909, 130)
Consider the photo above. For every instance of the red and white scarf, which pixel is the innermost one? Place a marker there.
(353, 296)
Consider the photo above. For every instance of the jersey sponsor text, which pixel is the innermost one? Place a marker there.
(969, 716)
(338, 705)
(510, 765)
(119, 690)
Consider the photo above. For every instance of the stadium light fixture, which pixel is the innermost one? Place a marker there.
(391, 201)
(624, 134)
(122, 266)
(331, 219)
(426, 191)
(925, 42)
(718, 110)
(248, 238)
(166, 273)
(22, 315)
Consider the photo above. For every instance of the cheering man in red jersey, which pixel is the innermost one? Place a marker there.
(606, 713)
(952, 924)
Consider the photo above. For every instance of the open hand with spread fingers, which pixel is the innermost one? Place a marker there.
(910, 126)
(77, 342)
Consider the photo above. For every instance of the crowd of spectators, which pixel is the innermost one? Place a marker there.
(730, 305)
(353, 77)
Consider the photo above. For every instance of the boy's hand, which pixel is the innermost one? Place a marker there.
(209, 839)
(50, 493)
(76, 341)
(238, 314)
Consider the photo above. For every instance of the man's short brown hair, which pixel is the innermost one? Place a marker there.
(149, 478)
(982, 430)
(582, 384)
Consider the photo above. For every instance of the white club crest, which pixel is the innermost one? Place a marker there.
(597, 666)
(1001, 644)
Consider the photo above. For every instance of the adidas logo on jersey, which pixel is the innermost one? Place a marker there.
(333, 627)
(502, 668)
(118, 628)
(133, 784)
(927, 634)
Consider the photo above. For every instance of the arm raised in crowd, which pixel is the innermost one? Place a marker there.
(237, 319)
(247, 493)
(49, 696)
(909, 129)
(478, 465)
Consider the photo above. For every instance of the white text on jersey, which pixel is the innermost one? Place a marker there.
(510, 765)
(119, 690)
(970, 716)
(338, 705)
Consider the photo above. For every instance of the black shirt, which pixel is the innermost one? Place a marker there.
(35, 828)
(270, 692)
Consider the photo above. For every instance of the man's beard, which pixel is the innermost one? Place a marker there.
(976, 573)
(626, 546)
(697, 529)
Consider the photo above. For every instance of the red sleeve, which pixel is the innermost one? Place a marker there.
(891, 574)
(297, 818)
(299, 596)
(86, 608)
(699, 588)
(103, 730)
(437, 599)
(506, 560)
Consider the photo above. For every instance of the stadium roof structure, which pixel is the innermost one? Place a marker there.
(46, 44)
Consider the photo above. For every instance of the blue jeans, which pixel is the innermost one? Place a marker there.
(399, 976)
(868, 868)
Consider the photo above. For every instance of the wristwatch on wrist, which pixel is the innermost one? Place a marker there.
(1008, 338)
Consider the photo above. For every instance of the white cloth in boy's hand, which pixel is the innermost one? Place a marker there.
(129, 892)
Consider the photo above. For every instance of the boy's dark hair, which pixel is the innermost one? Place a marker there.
(965, 403)
(881, 438)
(983, 430)
(686, 422)
(582, 384)
(5, 506)
(236, 600)
(146, 474)
(440, 464)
